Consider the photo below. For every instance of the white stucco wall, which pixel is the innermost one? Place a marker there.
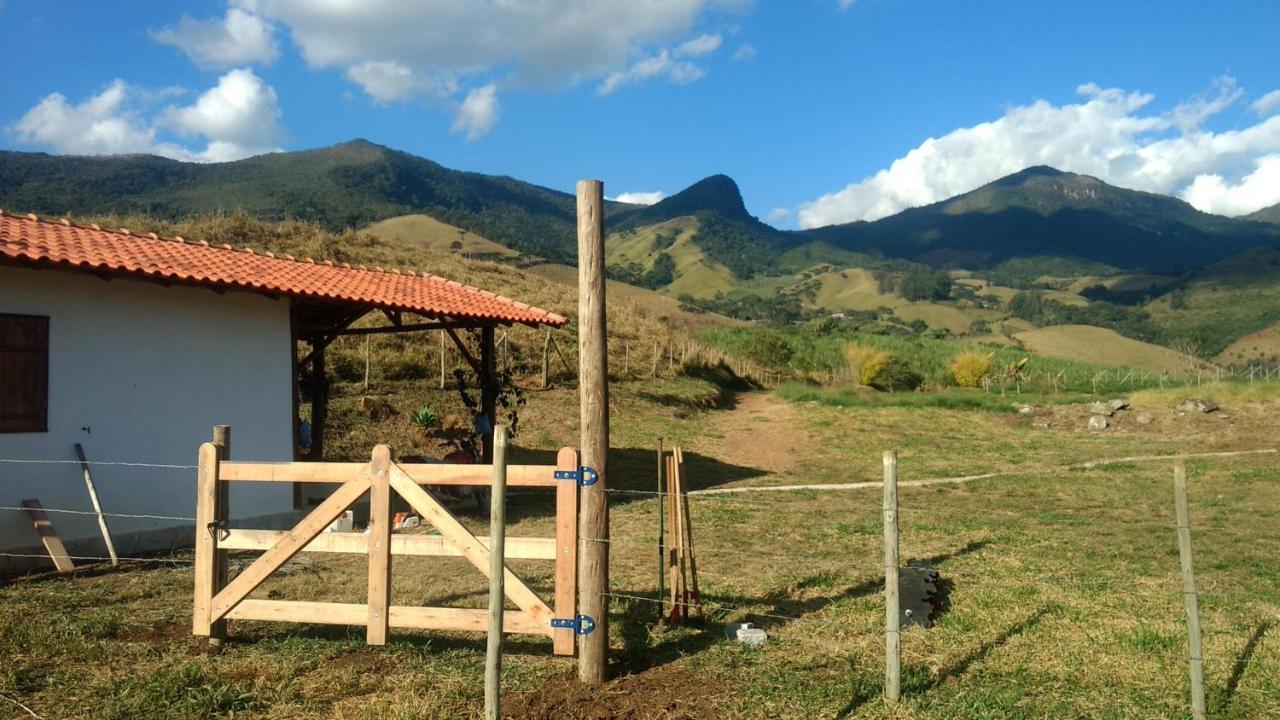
(140, 373)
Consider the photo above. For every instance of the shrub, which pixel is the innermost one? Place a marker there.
(897, 375)
(969, 368)
(866, 363)
(424, 417)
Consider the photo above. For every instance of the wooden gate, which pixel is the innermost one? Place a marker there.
(218, 599)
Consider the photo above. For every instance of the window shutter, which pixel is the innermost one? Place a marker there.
(24, 373)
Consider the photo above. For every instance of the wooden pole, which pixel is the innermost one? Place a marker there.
(546, 359)
(488, 390)
(97, 508)
(206, 538)
(378, 620)
(593, 390)
(497, 570)
(443, 350)
(662, 542)
(892, 635)
(222, 515)
(1192, 602)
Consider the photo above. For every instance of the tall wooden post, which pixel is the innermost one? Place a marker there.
(892, 631)
(379, 597)
(497, 569)
(1194, 652)
(206, 540)
(662, 536)
(593, 389)
(442, 359)
(221, 515)
(488, 390)
(319, 391)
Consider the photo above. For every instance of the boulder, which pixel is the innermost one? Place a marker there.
(1145, 418)
(1101, 408)
(1098, 422)
(1117, 404)
(1197, 405)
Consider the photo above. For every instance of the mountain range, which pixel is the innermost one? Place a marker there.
(1038, 212)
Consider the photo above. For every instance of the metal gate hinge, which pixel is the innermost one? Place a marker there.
(581, 625)
(584, 476)
(218, 530)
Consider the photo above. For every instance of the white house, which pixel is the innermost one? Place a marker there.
(134, 346)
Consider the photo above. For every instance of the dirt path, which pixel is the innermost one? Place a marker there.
(762, 431)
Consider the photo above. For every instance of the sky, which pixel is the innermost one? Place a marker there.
(823, 111)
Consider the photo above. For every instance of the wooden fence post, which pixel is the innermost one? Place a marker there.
(443, 350)
(892, 634)
(565, 641)
(662, 536)
(221, 515)
(593, 390)
(497, 570)
(1194, 655)
(206, 538)
(379, 546)
(546, 359)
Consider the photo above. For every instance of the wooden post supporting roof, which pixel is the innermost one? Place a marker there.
(488, 392)
(593, 390)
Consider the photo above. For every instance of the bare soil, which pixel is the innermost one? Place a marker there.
(664, 693)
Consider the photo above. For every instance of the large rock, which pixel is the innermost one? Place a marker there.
(1145, 418)
(1197, 406)
(1102, 408)
(1098, 422)
(1117, 404)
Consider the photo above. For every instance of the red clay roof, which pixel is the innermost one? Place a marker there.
(31, 239)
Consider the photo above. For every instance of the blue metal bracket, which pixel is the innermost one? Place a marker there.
(584, 476)
(581, 625)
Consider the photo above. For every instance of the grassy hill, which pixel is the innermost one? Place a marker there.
(1085, 343)
(1217, 305)
(424, 231)
(1267, 214)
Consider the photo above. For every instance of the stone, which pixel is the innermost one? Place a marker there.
(1145, 418)
(1098, 422)
(1197, 405)
(1024, 409)
(1101, 408)
(1117, 404)
(745, 633)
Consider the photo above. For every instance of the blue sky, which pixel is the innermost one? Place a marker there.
(823, 111)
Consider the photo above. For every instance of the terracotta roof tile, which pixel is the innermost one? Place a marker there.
(30, 239)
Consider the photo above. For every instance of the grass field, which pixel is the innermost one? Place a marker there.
(425, 232)
(1100, 346)
(1063, 590)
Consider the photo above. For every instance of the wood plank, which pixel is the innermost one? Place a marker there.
(566, 547)
(97, 507)
(418, 618)
(475, 553)
(379, 544)
(49, 536)
(351, 543)
(421, 473)
(206, 543)
(289, 545)
(221, 439)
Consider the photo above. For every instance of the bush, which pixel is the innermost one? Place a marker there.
(424, 418)
(866, 363)
(969, 368)
(897, 375)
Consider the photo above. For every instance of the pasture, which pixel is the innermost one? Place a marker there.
(1062, 580)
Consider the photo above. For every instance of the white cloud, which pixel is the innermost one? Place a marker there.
(427, 49)
(677, 72)
(478, 113)
(1106, 135)
(699, 46)
(746, 51)
(239, 117)
(779, 213)
(236, 118)
(388, 82)
(106, 124)
(640, 198)
(239, 38)
(1258, 189)
(1267, 104)
(846, 4)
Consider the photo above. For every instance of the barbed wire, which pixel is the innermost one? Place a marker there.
(100, 559)
(139, 516)
(105, 463)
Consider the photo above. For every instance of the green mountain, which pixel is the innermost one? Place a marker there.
(1268, 214)
(1041, 211)
(347, 185)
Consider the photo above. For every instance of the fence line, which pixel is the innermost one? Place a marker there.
(91, 463)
